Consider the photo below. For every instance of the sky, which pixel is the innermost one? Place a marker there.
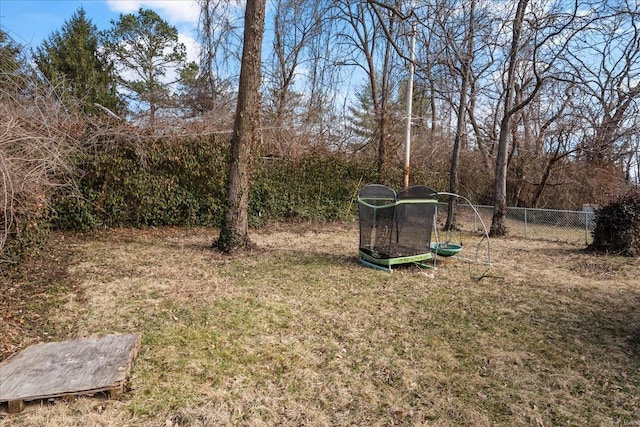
(29, 22)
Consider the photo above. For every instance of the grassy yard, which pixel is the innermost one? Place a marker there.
(298, 333)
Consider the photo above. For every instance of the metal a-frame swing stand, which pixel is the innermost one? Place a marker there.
(397, 228)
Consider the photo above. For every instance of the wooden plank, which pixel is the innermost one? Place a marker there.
(82, 366)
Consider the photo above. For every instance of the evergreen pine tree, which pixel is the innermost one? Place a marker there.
(147, 52)
(11, 60)
(72, 56)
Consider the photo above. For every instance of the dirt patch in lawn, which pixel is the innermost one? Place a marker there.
(31, 292)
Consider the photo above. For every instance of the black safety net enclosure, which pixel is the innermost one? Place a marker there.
(395, 228)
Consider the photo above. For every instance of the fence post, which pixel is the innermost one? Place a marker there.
(475, 224)
(525, 222)
(586, 228)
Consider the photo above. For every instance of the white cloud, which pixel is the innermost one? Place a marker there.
(172, 11)
(193, 47)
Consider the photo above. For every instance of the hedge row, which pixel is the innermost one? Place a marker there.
(182, 182)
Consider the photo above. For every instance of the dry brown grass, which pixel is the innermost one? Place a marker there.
(297, 333)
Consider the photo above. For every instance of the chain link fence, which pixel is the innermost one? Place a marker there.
(545, 224)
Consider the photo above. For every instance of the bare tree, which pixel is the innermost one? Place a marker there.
(370, 42)
(323, 84)
(605, 60)
(498, 227)
(234, 232)
(463, 58)
(296, 24)
(544, 135)
(37, 144)
(540, 34)
(219, 52)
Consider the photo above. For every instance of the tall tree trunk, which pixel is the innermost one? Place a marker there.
(461, 123)
(234, 233)
(498, 227)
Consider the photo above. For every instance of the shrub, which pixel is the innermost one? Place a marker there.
(318, 186)
(37, 140)
(140, 182)
(617, 229)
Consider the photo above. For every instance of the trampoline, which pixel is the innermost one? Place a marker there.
(395, 228)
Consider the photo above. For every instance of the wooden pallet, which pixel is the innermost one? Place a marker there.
(78, 367)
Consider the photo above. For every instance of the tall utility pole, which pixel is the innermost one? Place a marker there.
(407, 143)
